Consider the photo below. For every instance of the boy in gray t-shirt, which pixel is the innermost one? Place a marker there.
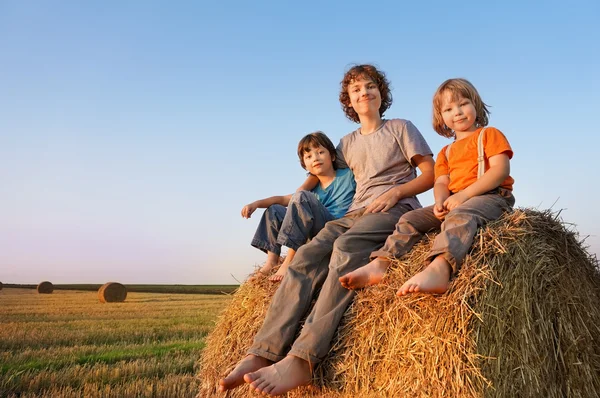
(383, 155)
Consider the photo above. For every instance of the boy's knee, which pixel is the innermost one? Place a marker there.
(271, 211)
(460, 217)
(343, 244)
(301, 196)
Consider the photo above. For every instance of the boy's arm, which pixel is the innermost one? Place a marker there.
(309, 184)
(264, 203)
(419, 185)
(440, 194)
(498, 172)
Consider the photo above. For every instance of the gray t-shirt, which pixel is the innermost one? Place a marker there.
(382, 160)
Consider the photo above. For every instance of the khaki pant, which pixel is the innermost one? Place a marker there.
(457, 230)
(342, 246)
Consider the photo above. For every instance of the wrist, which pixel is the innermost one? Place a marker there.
(398, 192)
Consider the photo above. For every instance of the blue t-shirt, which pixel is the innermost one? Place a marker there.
(337, 197)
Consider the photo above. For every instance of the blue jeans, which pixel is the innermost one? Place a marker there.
(304, 217)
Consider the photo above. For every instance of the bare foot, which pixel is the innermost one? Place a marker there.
(280, 272)
(263, 271)
(281, 377)
(235, 377)
(370, 274)
(433, 279)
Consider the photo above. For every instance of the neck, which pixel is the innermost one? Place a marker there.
(461, 135)
(326, 178)
(368, 125)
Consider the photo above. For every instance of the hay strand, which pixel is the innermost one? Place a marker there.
(112, 292)
(521, 318)
(45, 287)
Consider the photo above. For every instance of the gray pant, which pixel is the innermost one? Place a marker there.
(304, 217)
(341, 247)
(457, 230)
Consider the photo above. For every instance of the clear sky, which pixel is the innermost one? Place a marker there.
(133, 132)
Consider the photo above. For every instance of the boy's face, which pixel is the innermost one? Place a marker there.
(458, 112)
(365, 97)
(318, 160)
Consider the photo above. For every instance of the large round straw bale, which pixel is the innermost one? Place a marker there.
(0, 285)
(521, 319)
(112, 292)
(45, 287)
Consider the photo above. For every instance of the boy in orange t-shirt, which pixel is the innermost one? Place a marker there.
(472, 187)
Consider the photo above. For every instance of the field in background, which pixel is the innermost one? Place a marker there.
(68, 344)
(183, 289)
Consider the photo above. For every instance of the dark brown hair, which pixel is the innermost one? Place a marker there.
(313, 140)
(370, 72)
(458, 88)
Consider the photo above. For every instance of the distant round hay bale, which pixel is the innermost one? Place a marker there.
(112, 292)
(0, 285)
(45, 287)
(521, 318)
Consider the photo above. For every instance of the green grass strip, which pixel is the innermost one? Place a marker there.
(108, 357)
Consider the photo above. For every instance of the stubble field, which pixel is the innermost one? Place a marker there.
(68, 344)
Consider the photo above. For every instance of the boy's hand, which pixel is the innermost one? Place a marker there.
(439, 211)
(248, 210)
(456, 200)
(384, 202)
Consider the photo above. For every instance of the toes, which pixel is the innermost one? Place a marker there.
(250, 378)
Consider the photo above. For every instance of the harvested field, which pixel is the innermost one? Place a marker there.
(69, 345)
(522, 318)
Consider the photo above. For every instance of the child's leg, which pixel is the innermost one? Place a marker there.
(284, 266)
(409, 230)
(266, 234)
(452, 244)
(304, 218)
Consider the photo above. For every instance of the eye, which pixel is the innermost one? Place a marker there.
(446, 110)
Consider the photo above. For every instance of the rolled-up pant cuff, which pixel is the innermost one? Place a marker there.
(265, 354)
(303, 354)
(447, 256)
(265, 247)
(380, 253)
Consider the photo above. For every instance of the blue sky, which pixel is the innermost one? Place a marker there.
(132, 133)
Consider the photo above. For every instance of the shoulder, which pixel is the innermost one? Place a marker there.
(344, 173)
(402, 127)
(494, 142)
(398, 124)
(442, 152)
(349, 137)
(489, 130)
(492, 134)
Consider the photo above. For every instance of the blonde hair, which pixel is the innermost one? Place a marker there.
(463, 88)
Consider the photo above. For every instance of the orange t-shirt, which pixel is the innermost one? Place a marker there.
(462, 165)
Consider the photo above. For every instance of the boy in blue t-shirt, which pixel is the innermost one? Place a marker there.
(307, 211)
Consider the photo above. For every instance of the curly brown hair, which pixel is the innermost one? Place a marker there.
(313, 140)
(459, 88)
(370, 72)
